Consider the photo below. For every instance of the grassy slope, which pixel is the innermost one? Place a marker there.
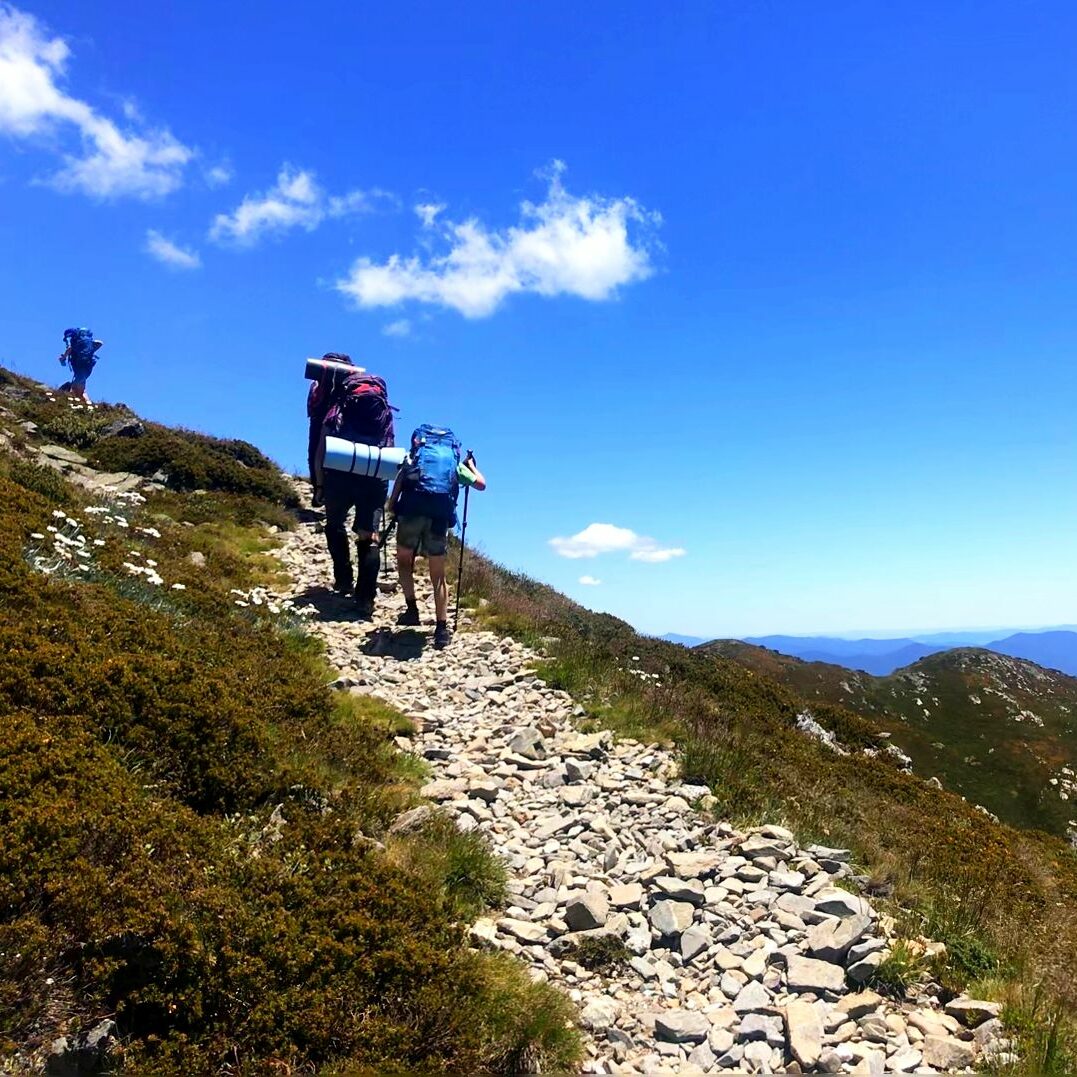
(185, 808)
(968, 716)
(1003, 900)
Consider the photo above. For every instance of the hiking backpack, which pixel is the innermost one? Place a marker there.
(435, 456)
(360, 411)
(80, 341)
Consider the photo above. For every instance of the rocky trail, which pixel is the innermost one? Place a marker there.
(729, 950)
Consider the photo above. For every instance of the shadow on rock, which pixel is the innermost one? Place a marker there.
(404, 646)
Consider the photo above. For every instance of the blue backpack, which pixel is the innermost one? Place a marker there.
(80, 341)
(435, 456)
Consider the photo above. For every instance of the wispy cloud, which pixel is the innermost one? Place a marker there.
(400, 328)
(587, 247)
(590, 581)
(114, 161)
(164, 250)
(596, 539)
(220, 175)
(296, 200)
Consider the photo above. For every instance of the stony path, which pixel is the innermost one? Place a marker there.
(738, 951)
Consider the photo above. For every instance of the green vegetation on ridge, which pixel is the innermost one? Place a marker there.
(997, 730)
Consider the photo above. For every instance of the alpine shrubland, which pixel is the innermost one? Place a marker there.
(191, 822)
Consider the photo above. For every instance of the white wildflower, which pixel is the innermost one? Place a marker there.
(179, 587)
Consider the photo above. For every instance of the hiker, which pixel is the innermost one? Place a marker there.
(80, 353)
(359, 411)
(424, 503)
(319, 398)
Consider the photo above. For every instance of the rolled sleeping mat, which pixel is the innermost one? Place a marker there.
(358, 459)
(317, 367)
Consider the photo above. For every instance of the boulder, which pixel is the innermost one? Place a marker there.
(972, 1012)
(946, 1053)
(831, 940)
(804, 1029)
(681, 1026)
(671, 917)
(807, 974)
(587, 912)
(528, 743)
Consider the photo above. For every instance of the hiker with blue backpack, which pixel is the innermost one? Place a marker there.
(359, 412)
(424, 502)
(80, 353)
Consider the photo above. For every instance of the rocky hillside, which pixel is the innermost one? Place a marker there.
(244, 832)
(1000, 731)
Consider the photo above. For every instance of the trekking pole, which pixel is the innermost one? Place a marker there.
(463, 540)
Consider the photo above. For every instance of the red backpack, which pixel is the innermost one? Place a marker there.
(361, 412)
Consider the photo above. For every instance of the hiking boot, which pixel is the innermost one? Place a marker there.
(410, 616)
(342, 587)
(442, 635)
(364, 609)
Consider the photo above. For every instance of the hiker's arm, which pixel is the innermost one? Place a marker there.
(478, 480)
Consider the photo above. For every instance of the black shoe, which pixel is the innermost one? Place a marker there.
(342, 587)
(442, 635)
(364, 609)
(317, 498)
(409, 617)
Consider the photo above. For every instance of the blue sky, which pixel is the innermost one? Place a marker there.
(780, 297)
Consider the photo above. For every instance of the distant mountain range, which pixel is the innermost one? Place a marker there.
(1054, 649)
(1002, 731)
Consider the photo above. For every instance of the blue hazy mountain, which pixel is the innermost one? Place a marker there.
(878, 656)
(1054, 650)
(684, 641)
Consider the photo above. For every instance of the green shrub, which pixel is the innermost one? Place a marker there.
(195, 462)
(41, 479)
(76, 429)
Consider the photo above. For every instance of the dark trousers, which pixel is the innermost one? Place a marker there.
(313, 438)
(344, 492)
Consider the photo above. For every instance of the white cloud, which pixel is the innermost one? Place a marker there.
(220, 175)
(589, 581)
(115, 161)
(164, 250)
(596, 539)
(586, 247)
(400, 328)
(427, 212)
(295, 201)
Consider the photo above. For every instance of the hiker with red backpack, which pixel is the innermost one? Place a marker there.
(359, 411)
(80, 353)
(319, 399)
(424, 502)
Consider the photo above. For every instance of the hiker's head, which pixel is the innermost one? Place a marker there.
(68, 334)
(338, 357)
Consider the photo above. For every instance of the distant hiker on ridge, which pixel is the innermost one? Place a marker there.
(424, 502)
(319, 399)
(80, 353)
(359, 411)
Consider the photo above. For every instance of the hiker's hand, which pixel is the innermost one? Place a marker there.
(470, 458)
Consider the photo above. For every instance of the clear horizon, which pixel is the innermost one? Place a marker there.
(753, 316)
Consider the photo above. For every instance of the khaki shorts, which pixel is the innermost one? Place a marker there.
(424, 535)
